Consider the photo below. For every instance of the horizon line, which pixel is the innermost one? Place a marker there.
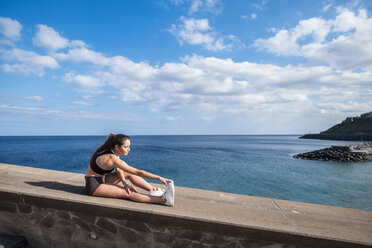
(33, 135)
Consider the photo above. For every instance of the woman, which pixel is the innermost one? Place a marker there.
(106, 170)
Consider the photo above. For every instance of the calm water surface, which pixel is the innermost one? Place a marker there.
(252, 165)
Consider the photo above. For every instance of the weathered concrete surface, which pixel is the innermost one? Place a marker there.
(279, 223)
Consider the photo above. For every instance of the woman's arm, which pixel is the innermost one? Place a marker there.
(121, 175)
(118, 163)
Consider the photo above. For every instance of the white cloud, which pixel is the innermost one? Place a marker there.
(349, 35)
(174, 118)
(82, 103)
(27, 62)
(177, 1)
(344, 107)
(135, 71)
(10, 28)
(48, 38)
(206, 5)
(5, 107)
(61, 114)
(328, 5)
(195, 5)
(83, 54)
(287, 42)
(261, 5)
(208, 119)
(86, 97)
(77, 43)
(213, 84)
(84, 81)
(253, 16)
(198, 32)
(200, 5)
(34, 98)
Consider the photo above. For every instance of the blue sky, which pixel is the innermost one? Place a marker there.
(183, 66)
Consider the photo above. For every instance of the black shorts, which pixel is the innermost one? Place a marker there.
(92, 183)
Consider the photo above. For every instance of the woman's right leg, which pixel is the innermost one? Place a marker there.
(115, 191)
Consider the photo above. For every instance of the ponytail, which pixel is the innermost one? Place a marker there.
(110, 143)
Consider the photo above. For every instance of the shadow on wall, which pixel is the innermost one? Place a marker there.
(80, 190)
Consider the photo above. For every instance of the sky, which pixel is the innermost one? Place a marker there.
(154, 67)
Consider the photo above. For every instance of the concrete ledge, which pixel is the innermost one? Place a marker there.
(200, 218)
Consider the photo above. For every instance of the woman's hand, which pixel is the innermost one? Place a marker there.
(165, 180)
(130, 189)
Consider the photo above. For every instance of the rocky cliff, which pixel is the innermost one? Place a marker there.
(352, 128)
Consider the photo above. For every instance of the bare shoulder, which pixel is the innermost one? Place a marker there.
(117, 161)
(108, 160)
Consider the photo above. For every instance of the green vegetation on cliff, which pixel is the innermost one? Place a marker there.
(353, 125)
(352, 128)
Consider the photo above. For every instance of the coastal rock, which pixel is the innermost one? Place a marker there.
(350, 153)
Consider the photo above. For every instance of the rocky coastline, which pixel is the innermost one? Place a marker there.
(347, 153)
(339, 136)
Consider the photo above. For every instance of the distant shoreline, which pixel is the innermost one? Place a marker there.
(138, 135)
(336, 136)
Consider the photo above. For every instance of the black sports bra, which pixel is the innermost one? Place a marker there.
(98, 169)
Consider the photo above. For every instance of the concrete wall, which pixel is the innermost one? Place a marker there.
(47, 223)
(50, 209)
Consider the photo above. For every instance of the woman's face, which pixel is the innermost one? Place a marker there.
(125, 148)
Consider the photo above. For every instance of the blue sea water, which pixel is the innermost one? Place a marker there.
(258, 165)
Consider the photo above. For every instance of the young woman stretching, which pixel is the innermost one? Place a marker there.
(106, 170)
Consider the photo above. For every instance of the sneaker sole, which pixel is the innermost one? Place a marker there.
(172, 187)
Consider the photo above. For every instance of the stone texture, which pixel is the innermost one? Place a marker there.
(48, 221)
(63, 215)
(128, 235)
(8, 207)
(107, 225)
(139, 226)
(103, 234)
(191, 235)
(82, 224)
(181, 243)
(79, 234)
(162, 237)
(146, 239)
(24, 208)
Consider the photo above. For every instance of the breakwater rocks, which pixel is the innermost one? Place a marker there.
(349, 153)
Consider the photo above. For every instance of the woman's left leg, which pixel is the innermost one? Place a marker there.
(139, 182)
(114, 178)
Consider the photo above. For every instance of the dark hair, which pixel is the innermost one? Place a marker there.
(110, 143)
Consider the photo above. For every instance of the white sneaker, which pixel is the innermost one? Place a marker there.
(157, 192)
(169, 195)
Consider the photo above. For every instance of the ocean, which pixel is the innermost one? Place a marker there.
(256, 165)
